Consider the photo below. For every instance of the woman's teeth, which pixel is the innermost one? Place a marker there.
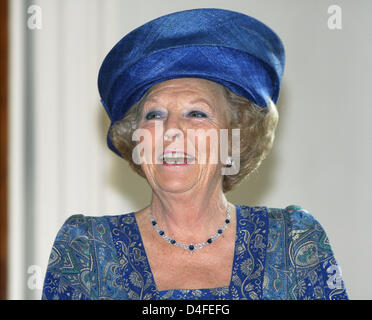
(176, 158)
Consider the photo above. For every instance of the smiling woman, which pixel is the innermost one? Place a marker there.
(256, 127)
(193, 73)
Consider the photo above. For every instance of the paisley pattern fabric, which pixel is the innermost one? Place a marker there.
(279, 254)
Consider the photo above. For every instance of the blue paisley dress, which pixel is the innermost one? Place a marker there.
(279, 254)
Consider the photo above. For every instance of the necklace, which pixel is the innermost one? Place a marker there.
(192, 247)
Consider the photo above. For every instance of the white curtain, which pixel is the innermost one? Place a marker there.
(60, 165)
(59, 162)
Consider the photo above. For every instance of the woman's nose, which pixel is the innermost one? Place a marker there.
(173, 127)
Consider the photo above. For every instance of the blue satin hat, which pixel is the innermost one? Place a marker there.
(224, 46)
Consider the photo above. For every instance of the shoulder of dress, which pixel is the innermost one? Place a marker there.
(299, 225)
(294, 221)
(295, 215)
(300, 218)
(75, 225)
(82, 226)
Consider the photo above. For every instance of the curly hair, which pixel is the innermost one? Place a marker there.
(257, 131)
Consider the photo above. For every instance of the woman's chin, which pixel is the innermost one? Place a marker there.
(177, 184)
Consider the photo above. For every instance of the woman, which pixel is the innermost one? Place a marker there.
(164, 86)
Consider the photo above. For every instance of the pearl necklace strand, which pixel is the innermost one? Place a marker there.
(192, 247)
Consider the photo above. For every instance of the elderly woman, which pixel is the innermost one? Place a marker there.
(203, 71)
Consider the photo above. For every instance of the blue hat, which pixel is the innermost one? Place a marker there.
(224, 46)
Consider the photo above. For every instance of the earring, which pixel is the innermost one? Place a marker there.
(230, 161)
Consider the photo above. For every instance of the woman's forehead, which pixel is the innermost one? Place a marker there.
(194, 90)
(191, 86)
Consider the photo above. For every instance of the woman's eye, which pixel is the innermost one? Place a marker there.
(152, 115)
(197, 114)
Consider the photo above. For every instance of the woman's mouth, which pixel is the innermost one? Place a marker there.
(176, 158)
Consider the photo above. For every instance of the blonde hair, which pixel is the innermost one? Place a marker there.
(257, 131)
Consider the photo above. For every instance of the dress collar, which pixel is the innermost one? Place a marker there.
(247, 270)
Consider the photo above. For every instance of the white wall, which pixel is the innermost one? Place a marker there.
(60, 165)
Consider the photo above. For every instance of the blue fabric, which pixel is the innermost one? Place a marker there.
(279, 254)
(224, 46)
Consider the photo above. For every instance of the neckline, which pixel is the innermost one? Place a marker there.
(161, 292)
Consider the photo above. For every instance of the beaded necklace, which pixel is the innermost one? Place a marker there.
(192, 247)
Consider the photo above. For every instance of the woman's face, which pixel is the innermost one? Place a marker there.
(185, 109)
